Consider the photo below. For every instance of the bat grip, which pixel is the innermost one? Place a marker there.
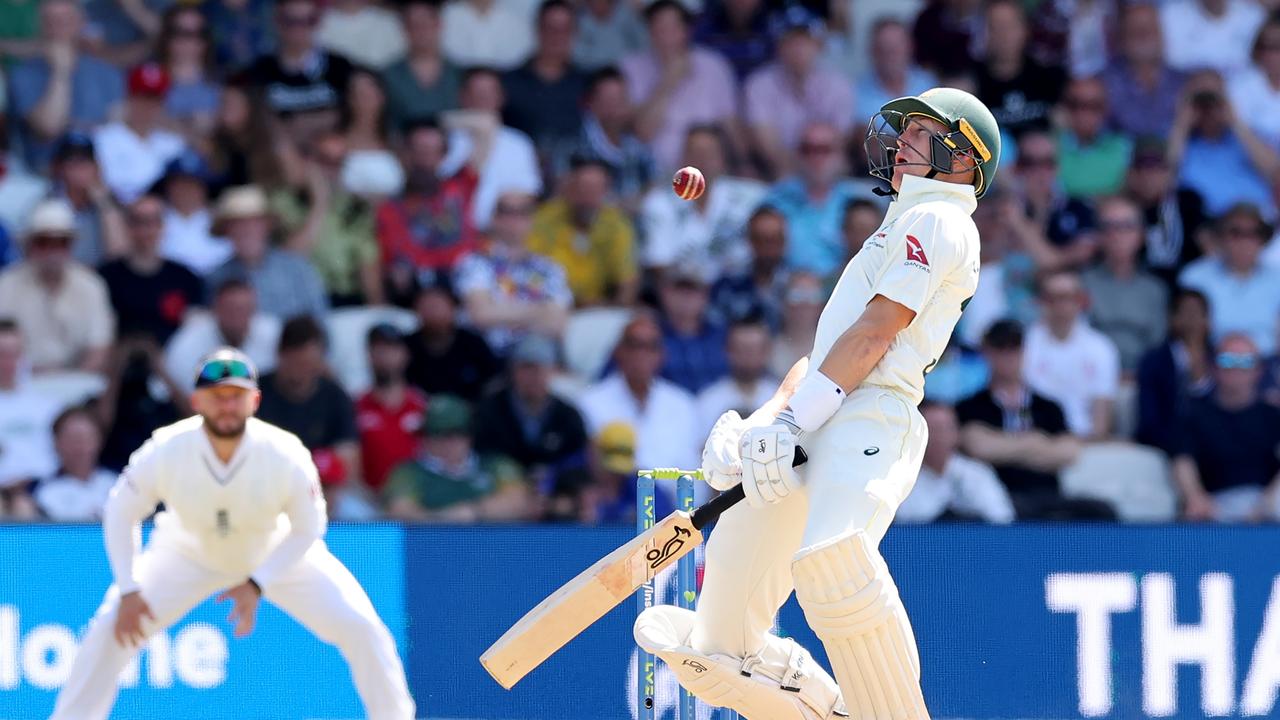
(708, 513)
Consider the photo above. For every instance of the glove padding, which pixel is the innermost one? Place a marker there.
(767, 453)
(721, 464)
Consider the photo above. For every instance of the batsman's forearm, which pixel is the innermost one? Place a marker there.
(854, 355)
(785, 390)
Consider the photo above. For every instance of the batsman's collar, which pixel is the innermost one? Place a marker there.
(915, 190)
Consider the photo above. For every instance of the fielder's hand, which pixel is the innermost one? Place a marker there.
(244, 606)
(129, 616)
(721, 464)
(767, 454)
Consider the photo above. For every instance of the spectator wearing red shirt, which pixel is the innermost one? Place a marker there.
(389, 416)
(428, 227)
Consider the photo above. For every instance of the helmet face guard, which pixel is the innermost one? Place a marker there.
(881, 146)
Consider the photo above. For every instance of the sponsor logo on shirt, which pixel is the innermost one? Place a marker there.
(915, 252)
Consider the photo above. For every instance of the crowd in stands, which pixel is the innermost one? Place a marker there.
(444, 231)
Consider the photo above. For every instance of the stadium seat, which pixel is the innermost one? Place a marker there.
(69, 387)
(1135, 479)
(348, 329)
(589, 338)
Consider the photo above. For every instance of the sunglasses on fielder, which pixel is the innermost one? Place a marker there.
(1236, 361)
(227, 372)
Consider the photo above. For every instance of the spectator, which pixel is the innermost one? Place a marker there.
(1179, 370)
(1173, 217)
(739, 31)
(1093, 159)
(240, 148)
(25, 418)
(592, 240)
(134, 151)
(1143, 90)
(388, 416)
(543, 95)
(503, 157)
(676, 85)
(1126, 303)
(813, 201)
(61, 306)
(801, 306)
(1022, 435)
(860, 220)
(187, 237)
(242, 30)
(794, 92)
(758, 290)
(185, 51)
(611, 496)
(286, 284)
(693, 343)
(423, 84)
(951, 486)
(509, 292)
(364, 125)
(331, 226)
(710, 228)
(1226, 467)
(299, 80)
(234, 321)
(299, 396)
(1254, 91)
(429, 227)
(20, 187)
(100, 231)
(77, 491)
(663, 415)
(1244, 294)
(1070, 363)
(1049, 213)
(445, 358)
(1210, 33)
(1007, 270)
(608, 31)
(362, 32)
(60, 88)
(893, 72)
(150, 295)
(450, 482)
(1210, 142)
(748, 384)
(943, 33)
(544, 434)
(606, 134)
(1019, 90)
(486, 33)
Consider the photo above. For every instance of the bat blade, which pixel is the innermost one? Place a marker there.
(588, 597)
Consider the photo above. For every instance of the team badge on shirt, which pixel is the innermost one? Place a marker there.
(915, 251)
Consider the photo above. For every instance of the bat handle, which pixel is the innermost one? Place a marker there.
(708, 513)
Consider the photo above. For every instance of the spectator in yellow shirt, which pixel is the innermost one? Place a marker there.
(592, 239)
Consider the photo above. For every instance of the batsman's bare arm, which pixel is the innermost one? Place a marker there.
(860, 348)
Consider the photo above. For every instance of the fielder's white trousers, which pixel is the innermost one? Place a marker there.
(862, 465)
(319, 592)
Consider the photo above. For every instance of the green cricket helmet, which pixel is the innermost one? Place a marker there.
(972, 132)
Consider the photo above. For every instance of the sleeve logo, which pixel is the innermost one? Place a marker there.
(915, 251)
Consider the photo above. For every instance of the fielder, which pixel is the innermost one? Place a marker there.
(852, 406)
(243, 514)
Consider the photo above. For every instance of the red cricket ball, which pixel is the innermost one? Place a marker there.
(688, 183)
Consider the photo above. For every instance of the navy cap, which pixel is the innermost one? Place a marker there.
(187, 164)
(797, 18)
(385, 332)
(227, 366)
(74, 144)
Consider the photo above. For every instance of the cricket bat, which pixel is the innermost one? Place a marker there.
(598, 589)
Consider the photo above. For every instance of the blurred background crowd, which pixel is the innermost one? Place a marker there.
(446, 234)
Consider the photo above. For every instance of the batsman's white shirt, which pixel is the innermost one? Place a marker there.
(257, 514)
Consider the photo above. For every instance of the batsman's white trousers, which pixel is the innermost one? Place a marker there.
(862, 464)
(319, 592)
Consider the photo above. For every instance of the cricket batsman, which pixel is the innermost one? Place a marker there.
(243, 515)
(851, 404)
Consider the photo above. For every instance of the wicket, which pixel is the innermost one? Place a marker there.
(686, 589)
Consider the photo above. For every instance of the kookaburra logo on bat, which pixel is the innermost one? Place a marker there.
(657, 556)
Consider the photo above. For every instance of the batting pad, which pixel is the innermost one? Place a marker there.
(851, 603)
(782, 682)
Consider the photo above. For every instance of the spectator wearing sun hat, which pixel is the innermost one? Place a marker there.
(287, 285)
(134, 150)
(61, 306)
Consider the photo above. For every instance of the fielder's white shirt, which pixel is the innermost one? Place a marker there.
(1072, 372)
(256, 515)
(924, 257)
(966, 486)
